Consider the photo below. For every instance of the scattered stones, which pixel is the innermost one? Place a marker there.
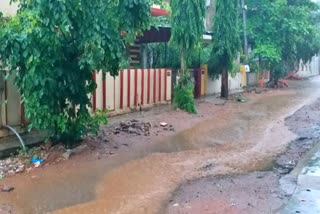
(20, 169)
(79, 149)
(136, 127)
(233, 204)
(163, 124)
(66, 155)
(133, 127)
(10, 167)
(132, 130)
(208, 166)
(37, 165)
(7, 188)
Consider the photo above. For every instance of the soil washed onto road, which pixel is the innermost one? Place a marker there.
(222, 148)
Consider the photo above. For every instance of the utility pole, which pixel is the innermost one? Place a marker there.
(244, 17)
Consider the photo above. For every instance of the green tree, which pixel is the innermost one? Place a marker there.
(187, 28)
(53, 47)
(281, 33)
(187, 24)
(226, 42)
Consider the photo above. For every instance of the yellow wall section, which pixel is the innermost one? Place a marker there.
(244, 76)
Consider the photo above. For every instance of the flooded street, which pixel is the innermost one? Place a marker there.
(229, 139)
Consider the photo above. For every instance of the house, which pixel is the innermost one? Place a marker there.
(8, 9)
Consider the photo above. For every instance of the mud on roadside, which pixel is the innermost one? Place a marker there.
(255, 192)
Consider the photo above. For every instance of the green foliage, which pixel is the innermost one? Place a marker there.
(283, 32)
(167, 56)
(161, 55)
(26, 156)
(187, 28)
(278, 71)
(187, 24)
(162, 21)
(53, 47)
(183, 95)
(226, 41)
(134, 16)
(254, 65)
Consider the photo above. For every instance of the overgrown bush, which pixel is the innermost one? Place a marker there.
(86, 124)
(183, 94)
(53, 47)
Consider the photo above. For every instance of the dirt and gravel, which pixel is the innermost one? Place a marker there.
(121, 172)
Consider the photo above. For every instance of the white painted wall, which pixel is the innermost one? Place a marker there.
(309, 69)
(7, 9)
(214, 85)
(156, 93)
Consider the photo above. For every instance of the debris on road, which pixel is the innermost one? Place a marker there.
(208, 166)
(66, 155)
(233, 204)
(37, 165)
(20, 169)
(133, 127)
(10, 167)
(37, 162)
(7, 188)
(163, 124)
(241, 99)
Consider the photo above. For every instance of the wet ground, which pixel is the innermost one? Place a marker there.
(252, 193)
(267, 191)
(140, 174)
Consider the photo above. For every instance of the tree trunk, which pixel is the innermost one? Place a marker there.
(225, 84)
(182, 62)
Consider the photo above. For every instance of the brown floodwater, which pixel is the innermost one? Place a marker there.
(240, 138)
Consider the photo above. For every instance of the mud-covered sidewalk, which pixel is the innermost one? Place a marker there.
(123, 172)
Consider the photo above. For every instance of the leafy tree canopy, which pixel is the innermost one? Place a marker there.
(226, 41)
(283, 31)
(187, 23)
(53, 47)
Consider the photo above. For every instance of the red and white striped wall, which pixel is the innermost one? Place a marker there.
(132, 88)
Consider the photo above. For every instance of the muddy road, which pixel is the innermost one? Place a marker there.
(258, 192)
(142, 176)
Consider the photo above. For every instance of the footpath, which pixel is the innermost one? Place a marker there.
(306, 196)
